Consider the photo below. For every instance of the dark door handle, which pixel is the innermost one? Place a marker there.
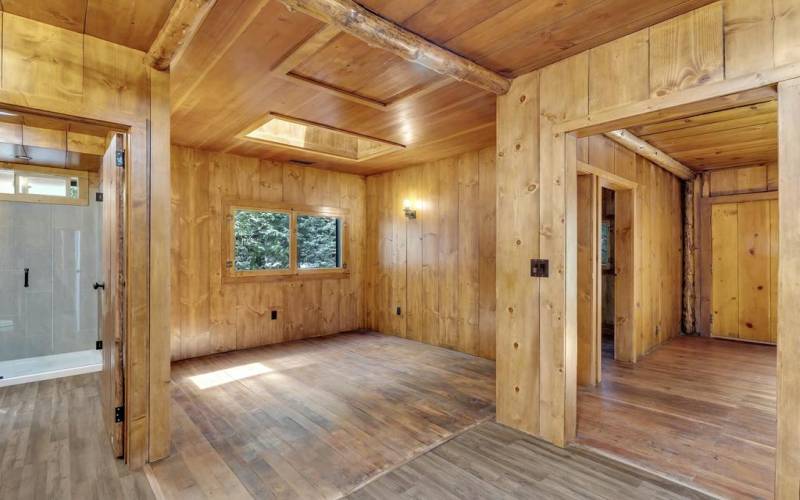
(27, 270)
(99, 285)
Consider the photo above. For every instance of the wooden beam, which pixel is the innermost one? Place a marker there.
(180, 27)
(376, 31)
(652, 153)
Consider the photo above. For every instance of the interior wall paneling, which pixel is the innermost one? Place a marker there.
(212, 315)
(431, 278)
(678, 89)
(743, 261)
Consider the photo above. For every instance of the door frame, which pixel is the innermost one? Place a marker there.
(147, 341)
(626, 281)
(727, 94)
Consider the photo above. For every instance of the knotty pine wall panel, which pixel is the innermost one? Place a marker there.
(210, 316)
(660, 240)
(437, 270)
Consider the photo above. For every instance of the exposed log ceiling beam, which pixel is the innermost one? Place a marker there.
(642, 148)
(180, 27)
(376, 31)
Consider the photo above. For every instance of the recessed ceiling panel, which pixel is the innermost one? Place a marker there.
(351, 65)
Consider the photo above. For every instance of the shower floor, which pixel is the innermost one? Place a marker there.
(21, 371)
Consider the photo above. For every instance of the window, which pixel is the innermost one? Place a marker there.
(318, 242)
(261, 240)
(273, 240)
(43, 185)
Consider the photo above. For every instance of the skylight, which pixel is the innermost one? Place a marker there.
(293, 133)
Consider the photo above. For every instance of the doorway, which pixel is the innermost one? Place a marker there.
(693, 406)
(607, 243)
(61, 260)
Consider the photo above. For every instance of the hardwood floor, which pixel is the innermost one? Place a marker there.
(699, 410)
(494, 461)
(316, 418)
(53, 444)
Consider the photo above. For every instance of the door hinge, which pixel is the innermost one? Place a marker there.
(119, 414)
(228, 264)
(98, 345)
(120, 158)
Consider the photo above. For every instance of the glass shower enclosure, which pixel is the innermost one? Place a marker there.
(50, 257)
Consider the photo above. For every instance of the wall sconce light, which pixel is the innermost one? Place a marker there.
(409, 210)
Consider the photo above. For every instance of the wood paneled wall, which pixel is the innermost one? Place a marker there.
(659, 264)
(432, 279)
(210, 316)
(667, 63)
(721, 310)
(53, 70)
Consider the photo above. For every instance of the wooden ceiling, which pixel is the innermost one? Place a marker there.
(232, 74)
(132, 23)
(226, 79)
(735, 137)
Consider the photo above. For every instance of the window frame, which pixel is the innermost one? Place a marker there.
(81, 175)
(294, 272)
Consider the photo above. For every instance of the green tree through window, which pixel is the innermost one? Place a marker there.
(261, 240)
(317, 242)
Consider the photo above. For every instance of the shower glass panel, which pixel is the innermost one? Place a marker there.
(49, 260)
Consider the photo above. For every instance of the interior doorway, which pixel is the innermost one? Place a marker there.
(608, 273)
(696, 406)
(62, 263)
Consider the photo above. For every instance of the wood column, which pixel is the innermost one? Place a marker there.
(588, 280)
(518, 242)
(690, 195)
(788, 451)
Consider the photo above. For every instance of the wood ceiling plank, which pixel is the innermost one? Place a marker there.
(764, 108)
(545, 32)
(766, 130)
(67, 14)
(712, 128)
(344, 61)
(221, 29)
(378, 32)
(442, 20)
(132, 23)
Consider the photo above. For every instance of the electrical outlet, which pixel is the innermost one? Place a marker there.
(274, 315)
(399, 312)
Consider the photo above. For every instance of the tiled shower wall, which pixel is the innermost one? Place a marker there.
(57, 312)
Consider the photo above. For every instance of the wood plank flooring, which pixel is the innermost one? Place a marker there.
(699, 410)
(53, 445)
(316, 418)
(494, 461)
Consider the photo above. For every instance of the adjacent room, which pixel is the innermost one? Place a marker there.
(677, 356)
(417, 249)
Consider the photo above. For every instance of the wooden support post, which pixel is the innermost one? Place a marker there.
(588, 279)
(788, 451)
(180, 27)
(647, 150)
(376, 31)
(690, 195)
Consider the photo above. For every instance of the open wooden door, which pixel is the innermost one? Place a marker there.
(113, 289)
